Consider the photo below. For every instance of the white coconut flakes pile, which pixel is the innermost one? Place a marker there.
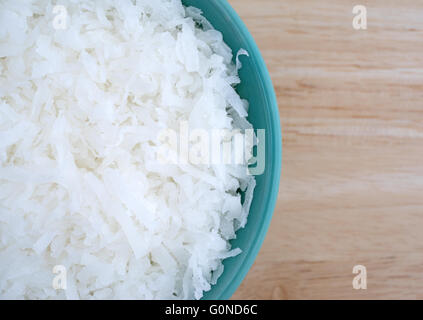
(80, 185)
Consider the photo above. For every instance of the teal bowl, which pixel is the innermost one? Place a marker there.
(256, 86)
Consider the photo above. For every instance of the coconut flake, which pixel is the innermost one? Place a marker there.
(80, 184)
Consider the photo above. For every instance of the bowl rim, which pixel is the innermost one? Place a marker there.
(276, 146)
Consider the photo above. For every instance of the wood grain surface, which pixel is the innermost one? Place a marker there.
(351, 108)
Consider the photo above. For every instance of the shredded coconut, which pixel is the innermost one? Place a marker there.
(80, 110)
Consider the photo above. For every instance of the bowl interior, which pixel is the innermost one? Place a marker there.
(257, 88)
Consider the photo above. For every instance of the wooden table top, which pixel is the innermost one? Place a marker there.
(351, 108)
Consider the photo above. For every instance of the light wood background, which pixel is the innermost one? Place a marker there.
(351, 108)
